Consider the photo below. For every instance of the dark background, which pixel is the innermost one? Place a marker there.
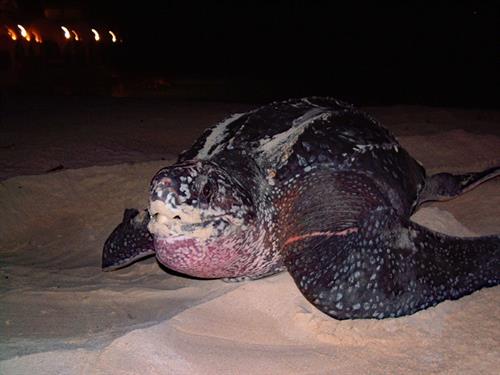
(440, 53)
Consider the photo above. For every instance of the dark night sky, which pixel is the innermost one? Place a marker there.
(393, 51)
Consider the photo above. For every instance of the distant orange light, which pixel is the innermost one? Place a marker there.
(96, 35)
(37, 36)
(67, 35)
(11, 33)
(77, 38)
(113, 36)
(24, 33)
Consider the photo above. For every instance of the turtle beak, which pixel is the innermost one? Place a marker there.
(164, 199)
(166, 202)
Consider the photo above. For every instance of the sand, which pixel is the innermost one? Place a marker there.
(59, 314)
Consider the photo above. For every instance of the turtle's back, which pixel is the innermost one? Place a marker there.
(266, 130)
(289, 139)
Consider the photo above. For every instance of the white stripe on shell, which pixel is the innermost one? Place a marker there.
(217, 134)
(276, 149)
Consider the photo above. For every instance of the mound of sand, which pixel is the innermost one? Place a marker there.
(61, 314)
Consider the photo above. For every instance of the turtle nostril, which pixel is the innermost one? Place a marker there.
(177, 217)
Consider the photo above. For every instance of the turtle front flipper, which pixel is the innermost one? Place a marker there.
(129, 242)
(353, 256)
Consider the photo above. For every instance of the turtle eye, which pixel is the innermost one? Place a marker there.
(207, 192)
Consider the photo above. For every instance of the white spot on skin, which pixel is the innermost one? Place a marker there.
(405, 239)
(185, 189)
(271, 174)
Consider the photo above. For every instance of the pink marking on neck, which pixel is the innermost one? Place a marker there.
(301, 237)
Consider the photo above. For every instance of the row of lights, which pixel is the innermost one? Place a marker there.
(68, 34)
(12, 34)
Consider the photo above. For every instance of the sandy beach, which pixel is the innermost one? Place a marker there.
(68, 169)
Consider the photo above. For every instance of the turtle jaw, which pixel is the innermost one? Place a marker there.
(191, 243)
(195, 257)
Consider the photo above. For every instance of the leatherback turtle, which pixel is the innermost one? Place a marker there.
(320, 189)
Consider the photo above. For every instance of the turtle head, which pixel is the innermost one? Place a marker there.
(200, 216)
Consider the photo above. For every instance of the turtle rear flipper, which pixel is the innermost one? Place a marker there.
(445, 186)
(129, 242)
(363, 260)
